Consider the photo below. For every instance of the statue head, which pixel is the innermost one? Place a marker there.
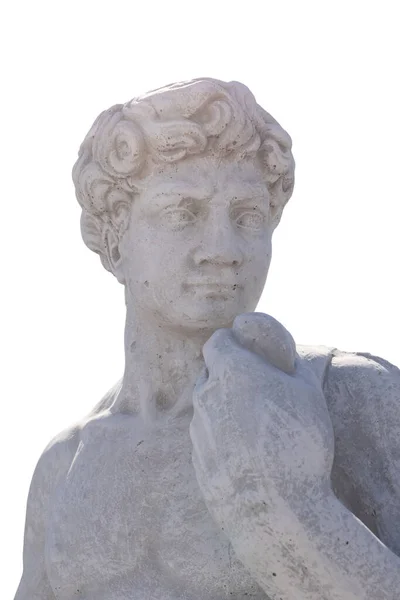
(181, 190)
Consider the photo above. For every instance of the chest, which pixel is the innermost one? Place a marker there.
(130, 512)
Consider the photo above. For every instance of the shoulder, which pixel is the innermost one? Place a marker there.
(358, 386)
(361, 363)
(59, 453)
(362, 392)
(362, 376)
(339, 370)
(53, 463)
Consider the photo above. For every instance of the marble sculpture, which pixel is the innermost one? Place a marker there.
(228, 463)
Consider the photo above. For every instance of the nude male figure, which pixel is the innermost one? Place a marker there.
(227, 462)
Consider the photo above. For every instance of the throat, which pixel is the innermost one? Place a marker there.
(161, 369)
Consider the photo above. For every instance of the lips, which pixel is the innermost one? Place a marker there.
(201, 281)
(214, 287)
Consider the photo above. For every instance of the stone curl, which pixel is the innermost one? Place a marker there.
(199, 117)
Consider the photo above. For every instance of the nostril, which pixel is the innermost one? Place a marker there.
(218, 256)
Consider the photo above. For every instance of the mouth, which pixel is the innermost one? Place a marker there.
(214, 289)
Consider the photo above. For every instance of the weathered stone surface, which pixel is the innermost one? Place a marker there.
(227, 462)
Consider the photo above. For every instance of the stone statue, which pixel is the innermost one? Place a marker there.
(227, 463)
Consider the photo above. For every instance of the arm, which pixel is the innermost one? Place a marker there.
(263, 453)
(363, 396)
(34, 584)
(313, 550)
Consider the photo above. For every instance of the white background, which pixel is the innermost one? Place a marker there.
(327, 71)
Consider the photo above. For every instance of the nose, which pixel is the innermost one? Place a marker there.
(219, 246)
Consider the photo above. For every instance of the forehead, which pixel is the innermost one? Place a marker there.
(209, 174)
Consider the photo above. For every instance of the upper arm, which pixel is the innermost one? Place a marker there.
(34, 584)
(363, 395)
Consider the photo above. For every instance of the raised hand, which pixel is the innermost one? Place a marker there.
(261, 431)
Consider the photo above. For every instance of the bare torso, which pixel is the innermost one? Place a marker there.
(130, 507)
(127, 519)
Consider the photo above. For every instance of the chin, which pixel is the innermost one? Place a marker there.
(211, 314)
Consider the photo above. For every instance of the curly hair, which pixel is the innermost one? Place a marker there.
(199, 117)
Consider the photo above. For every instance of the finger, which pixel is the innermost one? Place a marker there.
(202, 448)
(222, 351)
(205, 393)
(265, 336)
(201, 381)
(201, 434)
(218, 346)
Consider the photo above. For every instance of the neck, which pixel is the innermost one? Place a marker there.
(161, 368)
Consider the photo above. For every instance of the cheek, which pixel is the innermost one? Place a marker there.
(255, 271)
(156, 274)
(263, 262)
(259, 257)
(149, 256)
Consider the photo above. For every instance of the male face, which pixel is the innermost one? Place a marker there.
(198, 246)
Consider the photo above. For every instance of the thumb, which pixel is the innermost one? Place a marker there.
(264, 335)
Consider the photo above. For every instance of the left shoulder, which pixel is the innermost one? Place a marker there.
(362, 362)
(362, 392)
(363, 373)
(363, 389)
(353, 378)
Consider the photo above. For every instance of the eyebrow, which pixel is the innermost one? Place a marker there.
(182, 189)
(247, 191)
(238, 192)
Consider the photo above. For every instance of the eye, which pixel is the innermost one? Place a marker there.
(177, 217)
(251, 219)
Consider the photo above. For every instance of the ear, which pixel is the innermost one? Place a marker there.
(111, 247)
